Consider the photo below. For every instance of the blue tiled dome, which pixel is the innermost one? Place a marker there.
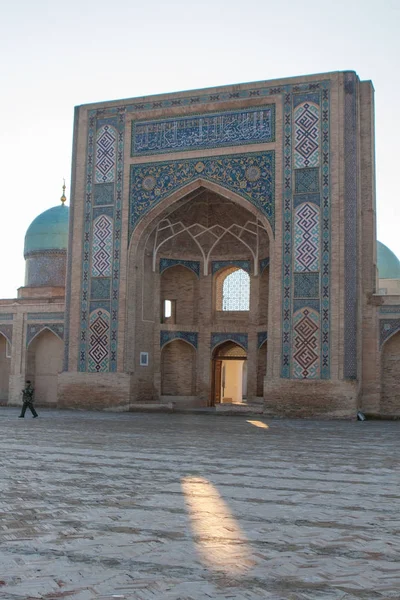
(49, 231)
(388, 263)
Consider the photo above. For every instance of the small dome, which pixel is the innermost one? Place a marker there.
(49, 231)
(388, 263)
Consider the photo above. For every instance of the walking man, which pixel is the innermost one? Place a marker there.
(27, 400)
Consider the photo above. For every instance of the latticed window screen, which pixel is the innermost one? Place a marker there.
(236, 291)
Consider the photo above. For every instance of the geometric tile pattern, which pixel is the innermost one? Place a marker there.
(306, 285)
(105, 154)
(306, 238)
(102, 243)
(99, 341)
(250, 126)
(187, 336)
(307, 180)
(33, 330)
(193, 265)
(104, 165)
(249, 175)
(387, 327)
(306, 351)
(306, 127)
(238, 338)
(326, 236)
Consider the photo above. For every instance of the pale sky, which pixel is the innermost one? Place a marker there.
(55, 55)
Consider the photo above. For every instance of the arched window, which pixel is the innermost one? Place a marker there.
(236, 291)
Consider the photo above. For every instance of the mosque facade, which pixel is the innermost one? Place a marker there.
(220, 250)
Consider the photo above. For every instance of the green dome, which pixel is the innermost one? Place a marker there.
(49, 231)
(388, 263)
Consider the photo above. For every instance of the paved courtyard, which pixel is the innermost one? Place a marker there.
(165, 506)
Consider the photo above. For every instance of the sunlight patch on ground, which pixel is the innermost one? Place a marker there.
(258, 424)
(220, 542)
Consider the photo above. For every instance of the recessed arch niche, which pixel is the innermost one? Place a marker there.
(43, 363)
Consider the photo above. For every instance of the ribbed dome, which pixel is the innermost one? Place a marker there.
(388, 263)
(49, 231)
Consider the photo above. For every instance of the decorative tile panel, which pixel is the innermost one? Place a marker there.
(306, 285)
(102, 246)
(306, 238)
(193, 265)
(100, 288)
(217, 265)
(187, 336)
(106, 138)
(306, 244)
(250, 126)
(250, 175)
(350, 226)
(306, 342)
(219, 338)
(103, 194)
(313, 303)
(264, 263)
(307, 136)
(389, 309)
(6, 316)
(306, 181)
(105, 164)
(33, 330)
(262, 336)
(99, 341)
(46, 316)
(387, 328)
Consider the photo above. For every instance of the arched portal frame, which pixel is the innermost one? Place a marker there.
(228, 373)
(139, 239)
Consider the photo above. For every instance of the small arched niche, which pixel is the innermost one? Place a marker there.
(5, 361)
(44, 362)
(390, 399)
(178, 369)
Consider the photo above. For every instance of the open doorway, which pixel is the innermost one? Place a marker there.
(229, 374)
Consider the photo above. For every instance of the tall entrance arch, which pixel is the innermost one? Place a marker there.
(198, 267)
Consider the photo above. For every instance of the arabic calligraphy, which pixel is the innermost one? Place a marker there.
(252, 126)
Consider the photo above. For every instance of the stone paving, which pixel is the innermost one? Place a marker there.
(190, 507)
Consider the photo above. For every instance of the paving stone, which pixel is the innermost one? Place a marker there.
(95, 506)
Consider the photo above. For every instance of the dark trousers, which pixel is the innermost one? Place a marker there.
(31, 408)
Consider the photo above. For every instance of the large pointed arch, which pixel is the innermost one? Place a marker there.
(187, 193)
